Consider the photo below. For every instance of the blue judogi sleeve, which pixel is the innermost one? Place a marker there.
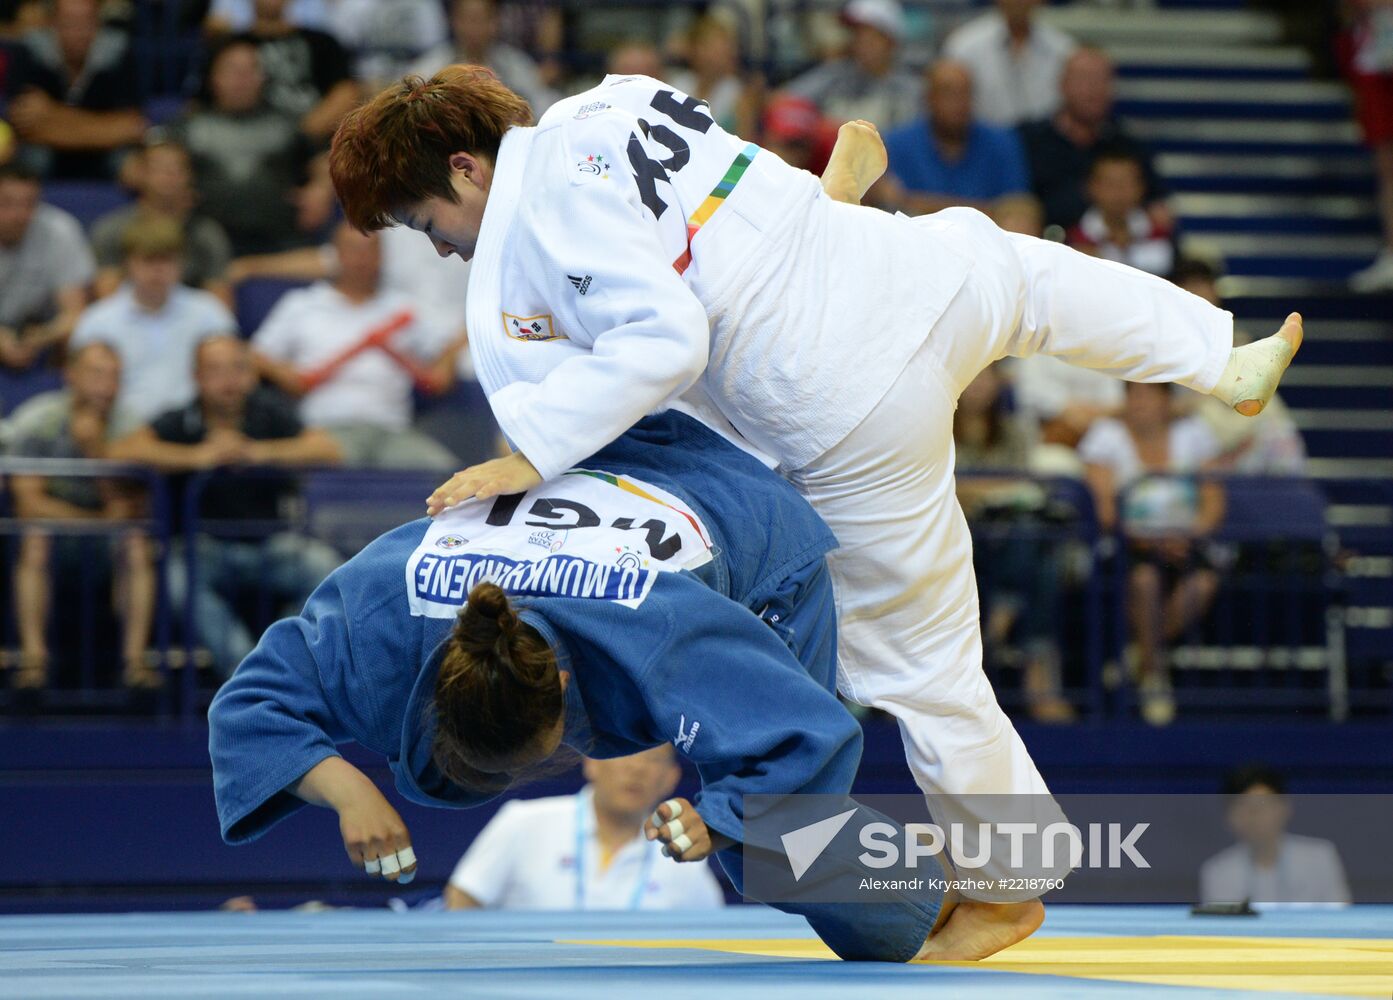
(272, 721)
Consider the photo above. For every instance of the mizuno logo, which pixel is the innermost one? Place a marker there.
(582, 285)
(686, 737)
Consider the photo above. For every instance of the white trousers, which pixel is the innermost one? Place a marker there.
(910, 635)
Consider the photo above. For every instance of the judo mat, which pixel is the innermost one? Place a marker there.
(747, 951)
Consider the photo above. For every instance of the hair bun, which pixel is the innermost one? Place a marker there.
(487, 615)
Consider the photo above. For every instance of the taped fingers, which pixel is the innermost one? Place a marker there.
(372, 866)
(407, 858)
(679, 846)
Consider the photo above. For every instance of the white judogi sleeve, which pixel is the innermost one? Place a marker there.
(647, 333)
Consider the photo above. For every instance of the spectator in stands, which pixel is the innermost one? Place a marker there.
(163, 177)
(1016, 62)
(307, 72)
(1061, 401)
(153, 321)
(78, 422)
(251, 161)
(1142, 471)
(584, 851)
(1018, 565)
(714, 74)
(636, 57)
(474, 26)
(1268, 865)
(1117, 225)
(1266, 445)
(351, 351)
(82, 104)
(1366, 55)
(1061, 149)
(45, 270)
(227, 16)
(233, 422)
(794, 130)
(386, 37)
(947, 158)
(869, 82)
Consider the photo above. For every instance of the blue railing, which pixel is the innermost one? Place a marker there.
(1274, 640)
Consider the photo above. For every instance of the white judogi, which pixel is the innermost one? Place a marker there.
(630, 249)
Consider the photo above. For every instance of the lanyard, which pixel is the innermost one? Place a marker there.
(645, 869)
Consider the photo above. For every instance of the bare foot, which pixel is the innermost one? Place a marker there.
(1255, 369)
(857, 161)
(975, 930)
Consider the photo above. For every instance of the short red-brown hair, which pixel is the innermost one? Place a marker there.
(395, 150)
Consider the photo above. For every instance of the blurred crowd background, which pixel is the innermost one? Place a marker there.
(213, 391)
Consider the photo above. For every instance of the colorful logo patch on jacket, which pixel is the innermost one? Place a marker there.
(593, 168)
(533, 329)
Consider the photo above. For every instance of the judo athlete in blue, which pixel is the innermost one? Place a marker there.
(672, 589)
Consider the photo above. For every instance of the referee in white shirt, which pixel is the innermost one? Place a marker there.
(584, 851)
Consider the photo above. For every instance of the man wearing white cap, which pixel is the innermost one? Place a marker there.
(868, 83)
(584, 851)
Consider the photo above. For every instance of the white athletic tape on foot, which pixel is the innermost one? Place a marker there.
(407, 857)
(681, 845)
(675, 829)
(372, 866)
(390, 865)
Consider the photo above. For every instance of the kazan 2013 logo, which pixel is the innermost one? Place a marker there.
(450, 541)
(594, 166)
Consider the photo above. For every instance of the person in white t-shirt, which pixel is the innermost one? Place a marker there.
(154, 322)
(351, 351)
(584, 851)
(1270, 867)
(1016, 62)
(1142, 471)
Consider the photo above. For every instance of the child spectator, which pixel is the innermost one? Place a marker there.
(78, 421)
(351, 352)
(1061, 149)
(45, 269)
(1117, 225)
(163, 178)
(1142, 472)
(83, 104)
(154, 322)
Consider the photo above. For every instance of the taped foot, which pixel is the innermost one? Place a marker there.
(1255, 370)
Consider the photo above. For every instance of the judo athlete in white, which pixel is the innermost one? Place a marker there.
(629, 255)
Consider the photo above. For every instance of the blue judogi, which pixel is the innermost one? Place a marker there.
(357, 665)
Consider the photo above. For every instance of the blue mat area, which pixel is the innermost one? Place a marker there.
(377, 953)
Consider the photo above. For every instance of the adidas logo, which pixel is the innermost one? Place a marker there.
(582, 284)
